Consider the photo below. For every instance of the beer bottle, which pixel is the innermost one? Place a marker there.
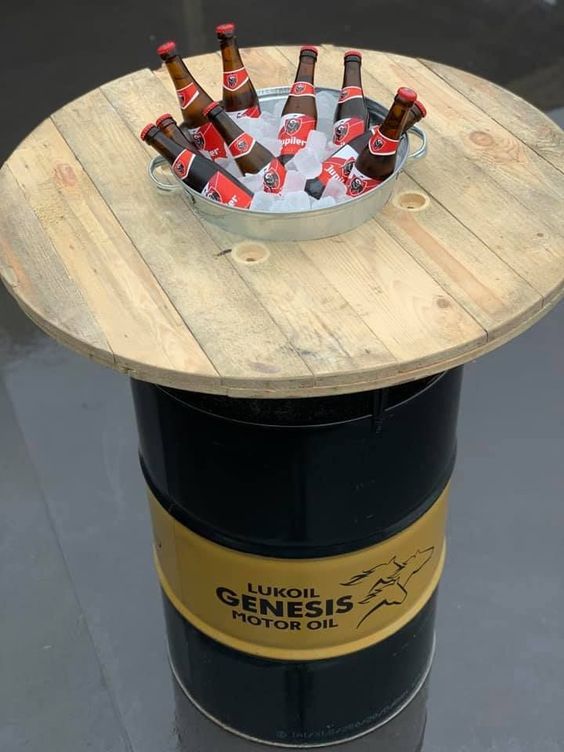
(239, 95)
(168, 125)
(415, 114)
(196, 171)
(351, 114)
(338, 166)
(299, 115)
(192, 99)
(377, 160)
(251, 156)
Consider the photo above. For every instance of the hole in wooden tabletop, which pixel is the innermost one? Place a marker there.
(250, 253)
(412, 201)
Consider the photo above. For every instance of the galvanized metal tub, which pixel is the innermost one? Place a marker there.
(310, 225)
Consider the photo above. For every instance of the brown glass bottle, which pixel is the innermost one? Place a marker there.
(251, 156)
(192, 99)
(377, 160)
(299, 115)
(196, 171)
(240, 98)
(415, 114)
(168, 125)
(351, 114)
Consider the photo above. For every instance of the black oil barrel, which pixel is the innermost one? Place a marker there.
(299, 544)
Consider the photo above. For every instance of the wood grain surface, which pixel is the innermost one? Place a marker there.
(467, 254)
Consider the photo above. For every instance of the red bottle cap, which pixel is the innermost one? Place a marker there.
(146, 130)
(309, 48)
(228, 28)
(357, 53)
(166, 49)
(210, 107)
(406, 94)
(162, 118)
(421, 108)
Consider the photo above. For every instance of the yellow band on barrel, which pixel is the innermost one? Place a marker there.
(300, 609)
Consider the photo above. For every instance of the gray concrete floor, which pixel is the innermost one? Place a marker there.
(82, 648)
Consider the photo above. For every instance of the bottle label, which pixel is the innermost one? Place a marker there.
(235, 79)
(350, 92)
(207, 139)
(381, 145)
(187, 95)
(294, 130)
(251, 112)
(302, 89)
(338, 166)
(359, 183)
(242, 145)
(273, 176)
(225, 191)
(300, 609)
(182, 163)
(346, 129)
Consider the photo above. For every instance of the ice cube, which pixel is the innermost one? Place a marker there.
(272, 144)
(336, 190)
(324, 202)
(317, 142)
(307, 162)
(298, 201)
(325, 125)
(229, 164)
(270, 121)
(326, 103)
(264, 201)
(253, 182)
(295, 181)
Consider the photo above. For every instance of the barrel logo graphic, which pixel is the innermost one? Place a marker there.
(300, 609)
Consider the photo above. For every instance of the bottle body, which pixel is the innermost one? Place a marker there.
(192, 100)
(377, 160)
(338, 166)
(299, 116)
(240, 98)
(351, 114)
(250, 155)
(201, 174)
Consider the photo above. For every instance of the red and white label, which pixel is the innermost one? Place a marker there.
(381, 145)
(207, 139)
(251, 112)
(338, 166)
(187, 95)
(359, 183)
(225, 191)
(294, 130)
(273, 176)
(346, 129)
(350, 92)
(302, 89)
(182, 163)
(242, 145)
(235, 79)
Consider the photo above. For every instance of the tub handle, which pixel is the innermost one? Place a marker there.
(154, 164)
(422, 150)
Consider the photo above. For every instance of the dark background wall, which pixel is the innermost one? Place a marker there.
(51, 52)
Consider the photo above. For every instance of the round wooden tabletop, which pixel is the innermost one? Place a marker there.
(467, 254)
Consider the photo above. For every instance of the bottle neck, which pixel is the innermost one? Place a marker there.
(230, 54)
(393, 124)
(179, 72)
(165, 146)
(227, 128)
(352, 75)
(306, 69)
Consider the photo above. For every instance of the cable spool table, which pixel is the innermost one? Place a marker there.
(296, 402)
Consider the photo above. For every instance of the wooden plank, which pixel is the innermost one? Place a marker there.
(416, 319)
(236, 332)
(512, 112)
(522, 239)
(316, 320)
(140, 325)
(33, 273)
